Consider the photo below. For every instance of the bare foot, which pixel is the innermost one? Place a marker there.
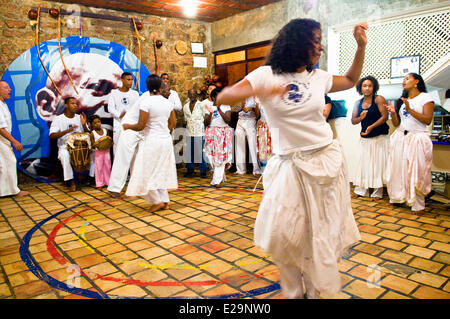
(156, 207)
(114, 194)
(166, 206)
(22, 193)
(72, 187)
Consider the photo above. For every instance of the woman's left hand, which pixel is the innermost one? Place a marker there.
(368, 130)
(125, 126)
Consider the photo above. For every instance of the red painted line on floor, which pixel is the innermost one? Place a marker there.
(51, 239)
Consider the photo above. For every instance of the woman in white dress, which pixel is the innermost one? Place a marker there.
(154, 171)
(411, 149)
(305, 219)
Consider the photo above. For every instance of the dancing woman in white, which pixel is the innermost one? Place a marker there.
(371, 166)
(411, 149)
(305, 219)
(154, 171)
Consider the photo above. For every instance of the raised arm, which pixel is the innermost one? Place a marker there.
(350, 78)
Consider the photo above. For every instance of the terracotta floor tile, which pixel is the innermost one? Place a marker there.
(365, 259)
(428, 279)
(445, 247)
(361, 289)
(396, 256)
(427, 265)
(425, 292)
(231, 254)
(420, 251)
(398, 284)
(214, 246)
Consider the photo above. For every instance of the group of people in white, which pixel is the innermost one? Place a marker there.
(305, 219)
(402, 161)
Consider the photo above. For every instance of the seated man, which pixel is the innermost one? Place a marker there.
(63, 125)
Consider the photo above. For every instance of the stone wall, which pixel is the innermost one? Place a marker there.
(16, 36)
(249, 27)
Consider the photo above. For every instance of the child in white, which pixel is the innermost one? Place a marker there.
(246, 127)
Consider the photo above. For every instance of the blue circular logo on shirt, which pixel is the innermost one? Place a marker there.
(298, 93)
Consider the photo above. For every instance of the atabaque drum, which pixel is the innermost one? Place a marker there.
(79, 147)
(104, 143)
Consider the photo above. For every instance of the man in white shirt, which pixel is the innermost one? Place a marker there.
(246, 127)
(8, 172)
(63, 125)
(119, 102)
(173, 97)
(194, 112)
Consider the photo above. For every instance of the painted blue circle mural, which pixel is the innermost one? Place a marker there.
(95, 67)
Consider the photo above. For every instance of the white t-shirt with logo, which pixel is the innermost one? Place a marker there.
(62, 123)
(132, 115)
(159, 109)
(216, 118)
(295, 117)
(121, 101)
(407, 121)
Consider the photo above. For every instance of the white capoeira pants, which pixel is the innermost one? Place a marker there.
(157, 196)
(218, 175)
(246, 128)
(291, 282)
(8, 171)
(123, 156)
(410, 158)
(64, 157)
(117, 131)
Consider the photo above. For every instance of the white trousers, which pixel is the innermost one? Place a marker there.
(8, 171)
(361, 191)
(123, 156)
(219, 175)
(157, 196)
(64, 157)
(117, 131)
(292, 285)
(246, 128)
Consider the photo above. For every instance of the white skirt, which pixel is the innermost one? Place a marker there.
(371, 170)
(305, 218)
(8, 170)
(410, 158)
(154, 167)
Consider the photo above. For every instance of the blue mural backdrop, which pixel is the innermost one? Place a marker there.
(95, 67)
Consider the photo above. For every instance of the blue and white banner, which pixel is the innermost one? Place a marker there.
(95, 66)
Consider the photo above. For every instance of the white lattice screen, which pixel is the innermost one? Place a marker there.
(427, 35)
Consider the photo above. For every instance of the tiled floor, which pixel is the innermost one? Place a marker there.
(85, 244)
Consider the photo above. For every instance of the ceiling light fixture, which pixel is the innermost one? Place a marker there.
(189, 7)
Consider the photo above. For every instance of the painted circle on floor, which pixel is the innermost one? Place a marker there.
(37, 270)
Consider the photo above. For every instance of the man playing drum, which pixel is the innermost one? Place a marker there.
(62, 126)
